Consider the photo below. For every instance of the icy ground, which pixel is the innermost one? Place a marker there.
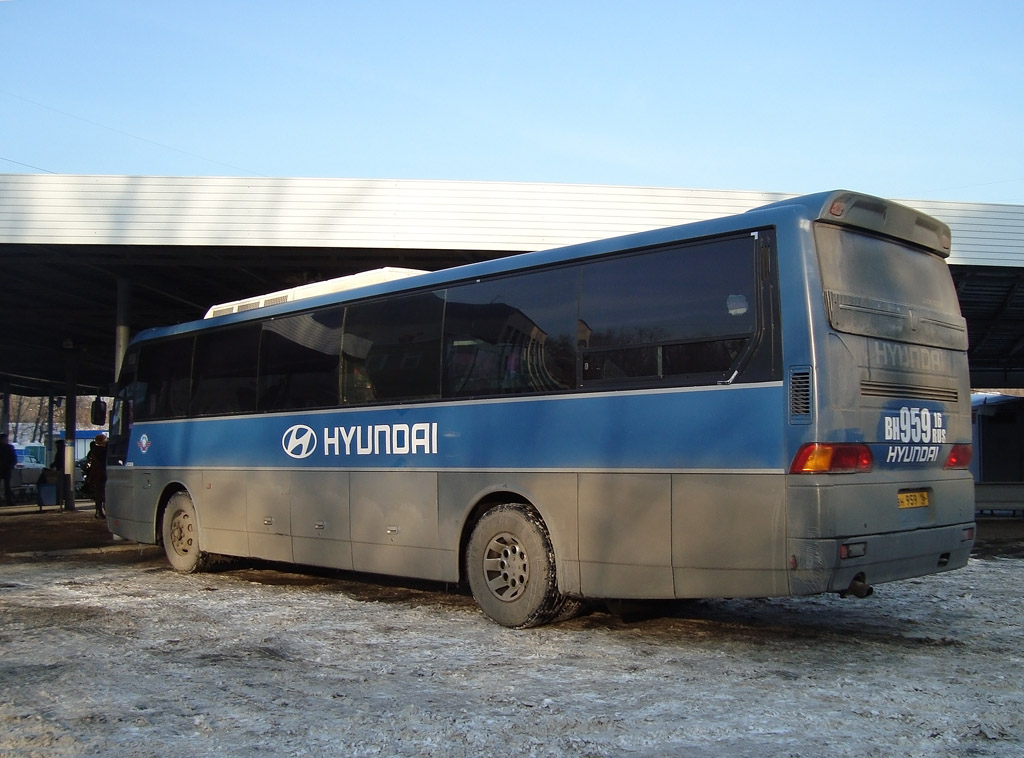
(115, 654)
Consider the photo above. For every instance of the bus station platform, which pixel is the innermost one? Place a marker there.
(27, 531)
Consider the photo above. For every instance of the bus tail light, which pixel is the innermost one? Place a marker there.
(959, 457)
(853, 550)
(832, 458)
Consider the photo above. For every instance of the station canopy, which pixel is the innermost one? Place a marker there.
(174, 246)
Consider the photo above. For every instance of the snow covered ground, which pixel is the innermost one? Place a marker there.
(114, 654)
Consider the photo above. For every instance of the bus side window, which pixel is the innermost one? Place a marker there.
(391, 350)
(163, 379)
(511, 335)
(224, 374)
(300, 361)
(680, 315)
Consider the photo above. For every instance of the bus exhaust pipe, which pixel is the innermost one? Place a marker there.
(858, 588)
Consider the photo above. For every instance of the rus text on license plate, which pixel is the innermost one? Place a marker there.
(916, 499)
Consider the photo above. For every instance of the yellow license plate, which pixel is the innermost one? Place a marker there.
(917, 499)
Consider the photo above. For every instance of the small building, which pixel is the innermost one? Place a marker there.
(998, 464)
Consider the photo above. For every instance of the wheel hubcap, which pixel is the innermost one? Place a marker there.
(182, 533)
(506, 567)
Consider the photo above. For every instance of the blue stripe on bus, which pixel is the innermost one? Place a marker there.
(736, 427)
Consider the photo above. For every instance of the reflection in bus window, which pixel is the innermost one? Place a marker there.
(300, 361)
(392, 349)
(512, 335)
(682, 313)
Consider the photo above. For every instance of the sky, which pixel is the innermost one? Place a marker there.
(908, 100)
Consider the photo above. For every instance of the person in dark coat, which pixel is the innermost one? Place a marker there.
(58, 469)
(98, 473)
(8, 460)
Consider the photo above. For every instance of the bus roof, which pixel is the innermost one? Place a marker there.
(328, 287)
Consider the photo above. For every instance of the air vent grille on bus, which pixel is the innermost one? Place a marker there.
(915, 392)
(800, 392)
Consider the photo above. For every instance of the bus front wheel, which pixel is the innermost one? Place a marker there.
(511, 568)
(181, 535)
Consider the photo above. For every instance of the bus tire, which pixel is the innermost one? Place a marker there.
(511, 568)
(180, 532)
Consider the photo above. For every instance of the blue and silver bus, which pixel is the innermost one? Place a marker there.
(774, 403)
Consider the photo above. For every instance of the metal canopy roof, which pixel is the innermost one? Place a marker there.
(182, 244)
(992, 301)
(59, 302)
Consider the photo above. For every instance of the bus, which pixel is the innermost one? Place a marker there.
(775, 403)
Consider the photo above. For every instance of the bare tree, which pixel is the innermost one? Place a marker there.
(32, 414)
(37, 426)
(19, 411)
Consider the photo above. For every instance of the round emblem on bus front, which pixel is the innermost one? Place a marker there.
(299, 441)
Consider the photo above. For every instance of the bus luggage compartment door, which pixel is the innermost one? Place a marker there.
(394, 523)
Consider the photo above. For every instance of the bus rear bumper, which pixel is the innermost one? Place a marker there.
(833, 565)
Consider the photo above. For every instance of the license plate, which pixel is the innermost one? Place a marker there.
(918, 499)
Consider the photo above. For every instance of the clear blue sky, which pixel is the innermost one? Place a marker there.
(920, 100)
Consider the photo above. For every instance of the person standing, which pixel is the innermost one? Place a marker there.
(98, 473)
(8, 460)
(58, 471)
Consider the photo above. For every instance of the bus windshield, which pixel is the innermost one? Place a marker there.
(882, 288)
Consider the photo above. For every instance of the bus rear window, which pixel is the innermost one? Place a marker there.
(878, 287)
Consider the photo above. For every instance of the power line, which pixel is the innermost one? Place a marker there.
(26, 165)
(123, 134)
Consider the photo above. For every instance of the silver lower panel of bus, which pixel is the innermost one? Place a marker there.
(615, 535)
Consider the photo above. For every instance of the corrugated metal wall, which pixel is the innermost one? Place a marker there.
(984, 234)
(403, 214)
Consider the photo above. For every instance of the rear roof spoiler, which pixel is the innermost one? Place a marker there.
(878, 215)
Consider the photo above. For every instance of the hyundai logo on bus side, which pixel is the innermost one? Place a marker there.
(299, 441)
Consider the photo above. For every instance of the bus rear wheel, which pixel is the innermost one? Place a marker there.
(511, 568)
(180, 533)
